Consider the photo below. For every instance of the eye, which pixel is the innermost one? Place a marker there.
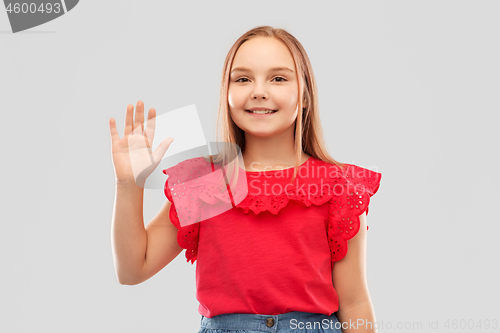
(242, 78)
(279, 77)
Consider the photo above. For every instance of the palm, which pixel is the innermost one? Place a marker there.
(133, 157)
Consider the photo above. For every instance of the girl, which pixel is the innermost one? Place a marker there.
(275, 258)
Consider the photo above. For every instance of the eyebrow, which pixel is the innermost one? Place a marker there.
(275, 69)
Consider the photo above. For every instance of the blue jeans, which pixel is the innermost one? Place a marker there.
(290, 322)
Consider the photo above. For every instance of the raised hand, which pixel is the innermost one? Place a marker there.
(133, 158)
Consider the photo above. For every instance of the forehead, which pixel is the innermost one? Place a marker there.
(262, 53)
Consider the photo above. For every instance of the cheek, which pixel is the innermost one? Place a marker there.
(289, 99)
(234, 98)
(233, 104)
(230, 98)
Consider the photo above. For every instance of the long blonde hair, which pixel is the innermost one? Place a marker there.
(308, 133)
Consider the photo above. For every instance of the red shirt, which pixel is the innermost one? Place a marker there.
(271, 248)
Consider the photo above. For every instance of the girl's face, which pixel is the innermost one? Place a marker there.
(263, 76)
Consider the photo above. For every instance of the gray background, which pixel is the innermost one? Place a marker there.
(406, 88)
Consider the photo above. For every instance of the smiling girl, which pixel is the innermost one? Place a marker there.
(277, 261)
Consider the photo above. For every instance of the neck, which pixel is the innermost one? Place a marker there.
(272, 152)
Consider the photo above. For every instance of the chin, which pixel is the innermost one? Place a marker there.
(261, 134)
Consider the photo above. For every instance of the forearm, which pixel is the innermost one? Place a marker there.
(357, 318)
(129, 237)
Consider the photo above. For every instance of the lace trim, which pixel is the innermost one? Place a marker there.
(348, 193)
(187, 236)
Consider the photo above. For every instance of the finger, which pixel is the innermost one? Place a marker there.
(139, 116)
(150, 126)
(162, 148)
(129, 120)
(112, 129)
(137, 131)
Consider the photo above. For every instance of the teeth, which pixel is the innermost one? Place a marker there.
(262, 111)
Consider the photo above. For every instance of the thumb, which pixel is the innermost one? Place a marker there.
(162, 148)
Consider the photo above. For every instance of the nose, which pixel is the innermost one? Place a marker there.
(259, 92)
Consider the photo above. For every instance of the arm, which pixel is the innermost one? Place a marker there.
(349, 280)
(139, 252)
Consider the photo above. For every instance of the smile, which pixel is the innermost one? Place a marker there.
(262, 111)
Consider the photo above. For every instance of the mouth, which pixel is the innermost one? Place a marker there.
(261, 112)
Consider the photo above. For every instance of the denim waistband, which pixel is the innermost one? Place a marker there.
(270, 323)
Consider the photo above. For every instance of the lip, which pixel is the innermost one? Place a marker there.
(258, 109)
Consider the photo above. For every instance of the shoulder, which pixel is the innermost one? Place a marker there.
(348, 174)
(188, 169)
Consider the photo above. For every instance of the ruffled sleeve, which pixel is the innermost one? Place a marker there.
(196, 183)
(354, 187)
(188, 235)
